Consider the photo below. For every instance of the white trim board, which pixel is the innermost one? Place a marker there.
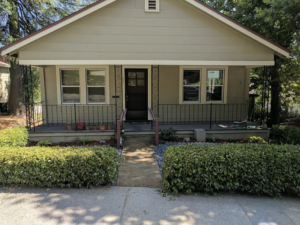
(147, 62)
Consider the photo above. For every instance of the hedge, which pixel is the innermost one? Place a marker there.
(17, 136)
(285, 135)
(63, 167)
(259, 169)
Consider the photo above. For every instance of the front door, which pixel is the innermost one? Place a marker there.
(136, 94)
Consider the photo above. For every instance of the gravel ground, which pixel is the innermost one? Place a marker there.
(161, 148)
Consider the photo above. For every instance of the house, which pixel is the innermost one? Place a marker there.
(4, 85)
(183, 60)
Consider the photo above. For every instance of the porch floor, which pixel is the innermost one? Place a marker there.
(142, 126)
(63, 129)
(131, 126)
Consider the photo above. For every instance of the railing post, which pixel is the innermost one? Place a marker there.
(210, 114)
(118, 133)
(156, 132)
(75, 116)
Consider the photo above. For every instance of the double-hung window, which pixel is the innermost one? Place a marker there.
(191, 85)
(95, 86)
(70, 86)
(214, 85)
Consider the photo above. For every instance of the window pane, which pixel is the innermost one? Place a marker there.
(140, 75)
(132, 82)
(96, 94)
(190, 93)
(214, 93)
(71, 95)
(140, 82)
(132, 75)
(96, 77)
(214, 77)
(191, 77)
(70, 77)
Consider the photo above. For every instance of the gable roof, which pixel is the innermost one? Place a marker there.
(4, 63)
(279, 50)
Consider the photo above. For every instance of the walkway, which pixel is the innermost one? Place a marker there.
(140, 168)
(141, 206)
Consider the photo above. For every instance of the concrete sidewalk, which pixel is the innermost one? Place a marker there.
(125, 205)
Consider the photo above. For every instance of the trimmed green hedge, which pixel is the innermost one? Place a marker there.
(64, 167)
(259, 169)
(17, 136)
(285, 135)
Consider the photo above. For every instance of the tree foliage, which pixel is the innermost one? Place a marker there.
(19, 18)
(279, 21)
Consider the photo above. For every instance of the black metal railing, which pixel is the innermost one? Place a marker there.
(62, 115)
(208, 113)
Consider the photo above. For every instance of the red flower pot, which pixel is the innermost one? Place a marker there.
(80, 127)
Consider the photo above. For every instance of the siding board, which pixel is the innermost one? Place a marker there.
(178, 28)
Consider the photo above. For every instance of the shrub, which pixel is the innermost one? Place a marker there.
(255, 139)
(168, 134)
(84, 142)
(44, 143)
(17, 136)
(285, 135)
(64, 167)
(259, 169)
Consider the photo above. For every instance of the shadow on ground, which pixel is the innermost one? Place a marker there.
(122, 205)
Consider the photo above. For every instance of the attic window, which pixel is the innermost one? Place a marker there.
(152, 5)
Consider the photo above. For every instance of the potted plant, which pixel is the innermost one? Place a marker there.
(80, 125)
(108, 127)
(87, 127)
(102, 126)
(69, 126)
(95, 127)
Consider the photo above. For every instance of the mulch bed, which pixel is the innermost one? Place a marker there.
(193, 140)
(74, 144)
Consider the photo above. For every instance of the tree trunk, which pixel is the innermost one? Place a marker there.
(276, 90)
(15, 90)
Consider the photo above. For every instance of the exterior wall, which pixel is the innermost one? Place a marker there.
(168, 85)
(123, 30)
(237, 85)
(48, 80)
(4, 84)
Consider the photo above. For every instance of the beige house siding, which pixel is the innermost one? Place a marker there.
(238, 83)
(237, 87)
(123, 30)
(4, 84)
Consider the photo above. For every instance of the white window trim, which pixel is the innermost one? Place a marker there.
(105, 88)
(62, 86)
(150, 10)
(82, 78)
(223, 89)
(183, 85)
(203, 76)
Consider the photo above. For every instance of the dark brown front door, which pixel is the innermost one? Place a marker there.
(136, 94)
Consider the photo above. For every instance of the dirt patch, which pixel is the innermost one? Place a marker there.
(11, 121)
(74, 144)
(209, 140)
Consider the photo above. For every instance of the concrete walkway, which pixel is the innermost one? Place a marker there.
(145, 206)
(140, 168)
